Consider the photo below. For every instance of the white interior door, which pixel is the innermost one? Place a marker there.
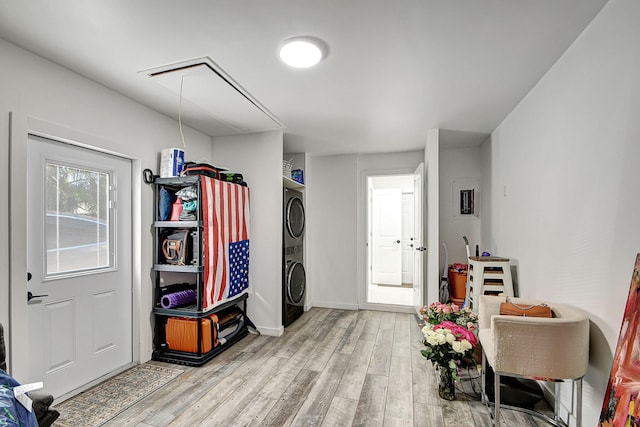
(386, 230)
(408, 239)
(79, 260)
(419, 249)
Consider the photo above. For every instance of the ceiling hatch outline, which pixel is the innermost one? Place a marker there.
(216, 94)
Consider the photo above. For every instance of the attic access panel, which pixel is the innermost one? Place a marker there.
(207, 86)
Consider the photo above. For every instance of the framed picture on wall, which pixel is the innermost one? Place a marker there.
(621, 406)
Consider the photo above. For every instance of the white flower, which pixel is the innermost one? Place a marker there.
(442, 339)
(450, 338)
(461, 346)
(458, 347)
(433, 339)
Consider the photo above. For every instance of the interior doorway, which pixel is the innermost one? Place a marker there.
(392, 239)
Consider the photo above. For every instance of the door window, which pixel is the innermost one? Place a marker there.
(78, 231)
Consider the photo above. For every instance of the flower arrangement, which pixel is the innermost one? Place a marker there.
(448, 336)
(438, 312)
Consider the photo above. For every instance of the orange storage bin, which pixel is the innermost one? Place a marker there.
(181, 334)
(458, 282)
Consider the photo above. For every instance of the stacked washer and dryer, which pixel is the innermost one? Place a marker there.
(293, 274)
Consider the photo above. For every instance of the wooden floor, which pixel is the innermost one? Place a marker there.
(330, 368)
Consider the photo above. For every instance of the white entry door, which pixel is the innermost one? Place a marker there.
(419, 249)
(79, 261)
(386, 226)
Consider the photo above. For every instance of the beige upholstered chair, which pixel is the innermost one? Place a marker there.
(543, 348)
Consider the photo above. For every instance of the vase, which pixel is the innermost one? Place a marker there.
(447, 387)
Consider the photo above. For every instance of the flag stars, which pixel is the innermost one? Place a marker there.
(238, 267)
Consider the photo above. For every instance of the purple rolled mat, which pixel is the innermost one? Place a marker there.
(177, 299)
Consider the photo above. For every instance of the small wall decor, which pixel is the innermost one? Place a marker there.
(621, 406)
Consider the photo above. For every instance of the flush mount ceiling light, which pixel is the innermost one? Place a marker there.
(302, 52)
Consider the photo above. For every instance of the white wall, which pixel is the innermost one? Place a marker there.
(568, 157)
(330, 199)
(259, 158)
(486, 183)
(32, 86)
(458, 164)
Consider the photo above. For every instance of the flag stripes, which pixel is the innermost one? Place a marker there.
(225, 211)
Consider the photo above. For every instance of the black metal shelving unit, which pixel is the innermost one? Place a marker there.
(193, 274)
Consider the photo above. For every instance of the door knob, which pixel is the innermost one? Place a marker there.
(397, 241)
(421, 248)
(31, 296)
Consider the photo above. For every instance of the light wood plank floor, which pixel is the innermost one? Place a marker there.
(330, 368)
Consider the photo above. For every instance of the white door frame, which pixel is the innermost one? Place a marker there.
(419, 264)
(21, 125)
(408, 230)
(432, 197)
(363, 250)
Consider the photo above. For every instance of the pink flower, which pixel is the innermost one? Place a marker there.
(446, 324)
(446, 309)
(458, 330)
(455, 308)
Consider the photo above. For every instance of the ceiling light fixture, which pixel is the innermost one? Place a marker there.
(303, 51)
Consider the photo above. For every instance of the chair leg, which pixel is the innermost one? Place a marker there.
(496, 395)
(579, 402)
(556, 403)
(483, 381)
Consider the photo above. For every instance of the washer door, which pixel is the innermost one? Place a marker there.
(295, 283)
(295, 217)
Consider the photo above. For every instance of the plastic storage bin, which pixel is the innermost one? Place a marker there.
(458, 283)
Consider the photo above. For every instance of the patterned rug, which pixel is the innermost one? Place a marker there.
(103, 402)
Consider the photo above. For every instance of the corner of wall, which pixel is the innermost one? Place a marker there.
(258, 157)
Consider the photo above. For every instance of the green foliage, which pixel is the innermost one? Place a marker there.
(78, 191)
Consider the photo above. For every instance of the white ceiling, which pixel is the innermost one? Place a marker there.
(395, 68)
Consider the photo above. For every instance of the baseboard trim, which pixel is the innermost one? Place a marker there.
(388, 307)
(336, 305)
(373, 307)
(272, 332)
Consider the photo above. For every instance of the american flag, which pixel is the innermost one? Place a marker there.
(225, 211)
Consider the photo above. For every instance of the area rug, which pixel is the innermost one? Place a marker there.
(103, 402)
